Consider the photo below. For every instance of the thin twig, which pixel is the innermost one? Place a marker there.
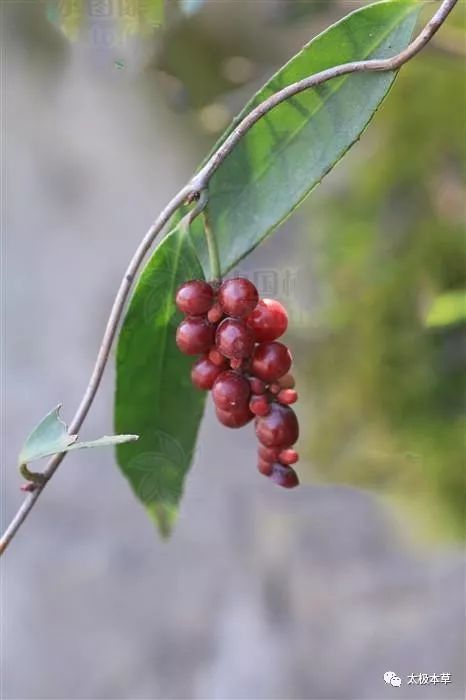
(198, 185)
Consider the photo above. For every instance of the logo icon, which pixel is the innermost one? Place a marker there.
(392, 679)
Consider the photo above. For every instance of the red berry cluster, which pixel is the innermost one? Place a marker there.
(243, 364)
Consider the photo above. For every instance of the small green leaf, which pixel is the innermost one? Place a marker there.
(154, 393)
(288, 152)
(51, 437)
(447, 309)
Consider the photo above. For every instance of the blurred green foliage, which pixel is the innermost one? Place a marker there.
(387, 391)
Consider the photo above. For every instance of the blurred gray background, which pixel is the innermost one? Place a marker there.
(260, 593)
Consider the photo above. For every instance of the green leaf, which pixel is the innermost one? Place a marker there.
(51, 437)
(105, 441)
(154, 394)
(266, 176)
(290, 150)
(447, 309)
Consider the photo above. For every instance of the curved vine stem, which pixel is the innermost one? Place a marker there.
(196, 190)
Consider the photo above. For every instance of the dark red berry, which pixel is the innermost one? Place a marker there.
(284, 476)
(195, 335)
(269, 320)
(234, 339)
(215, 313)
(264, 467)
(270, 361)
(288, 456)
(257, 385)
(287, 396)
(269, 454)
(287, 381)
(259, 405)
(234, 418)
(231, 391)
(195, 297)
(279, 428)
(238, 297)
(204, 373)
(218, 359)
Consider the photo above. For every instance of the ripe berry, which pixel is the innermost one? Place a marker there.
(269, 454)
(238, 297)
(234, 418)
(236, 363)
(194, 335)
(204, 373)
(279, 428)
(288, 457)
(218, 359)
(259, 405)
(257, 385)
(270, 361)
(195, 297)
(287, 396)
(231, 391)
(274, 388)
(215, 313)
(269, 320)
(264, 467)
(234, 339)
(284, 476)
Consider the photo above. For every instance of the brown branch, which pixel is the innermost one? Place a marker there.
(198, 185)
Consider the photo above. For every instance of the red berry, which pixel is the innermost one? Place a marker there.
(274, 388)
(215, 313)
(236, 363)
(231, 391)
(257, 385)
(269, 320)
(204, 373)
(234, 418)
(195, 297)
(194, 335)
(218, 359)
(234, 339)
(287, 396)
(288, 457)
(284, 476)
(264, 467)
(269, 454)
(287, 381)
(238, 297)
(270, 361)
(279, 428)
(259, 405)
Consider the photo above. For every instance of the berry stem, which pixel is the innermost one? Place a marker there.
(212, 247)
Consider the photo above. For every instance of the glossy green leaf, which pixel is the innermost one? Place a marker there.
(278, 162)
(290, 150)
(51, 437)
(154, 394)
